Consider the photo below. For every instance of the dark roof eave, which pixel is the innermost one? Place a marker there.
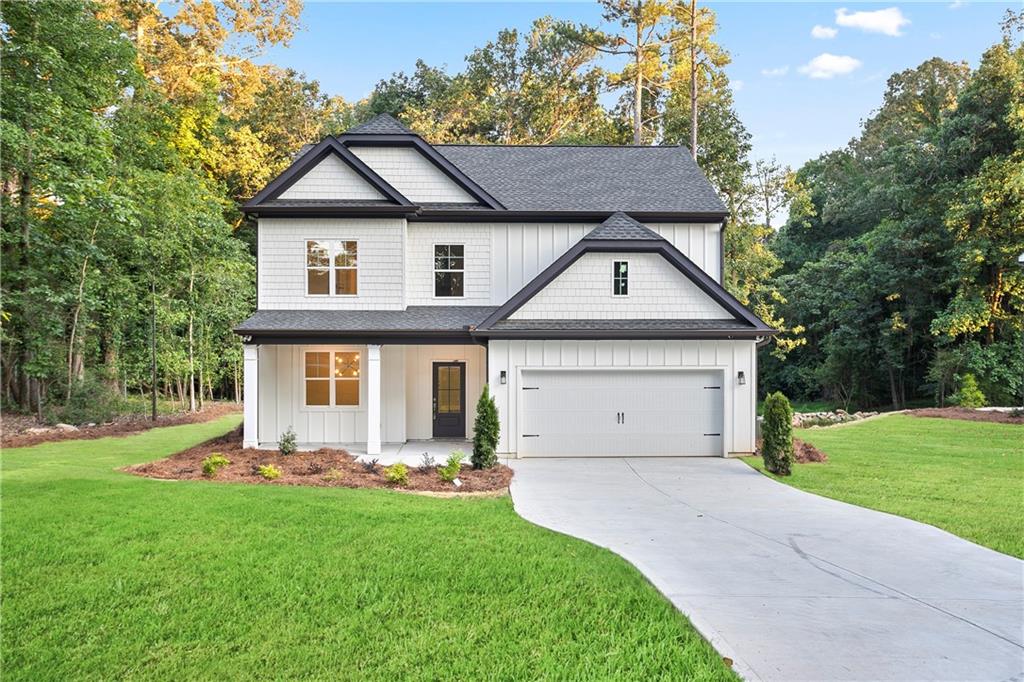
(391, 211)
(425, 215)
(382, 336)
(638, 334)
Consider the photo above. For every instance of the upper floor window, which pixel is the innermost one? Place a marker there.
(449, 269)
(331, 378)
(332, 266)
(620, 278)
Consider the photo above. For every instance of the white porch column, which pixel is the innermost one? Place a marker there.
(250, 437)
(373, 399)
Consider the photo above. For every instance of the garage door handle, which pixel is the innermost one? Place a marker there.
(531, 435)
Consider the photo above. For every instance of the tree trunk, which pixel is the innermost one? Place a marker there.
(152, 351)
(638, 85)
(191, 343)
(693, 78)
(72, 340)
(238, 389)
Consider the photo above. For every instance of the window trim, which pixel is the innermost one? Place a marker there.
(434, 271)
(614, 262)
(331, 268)
(303, 407)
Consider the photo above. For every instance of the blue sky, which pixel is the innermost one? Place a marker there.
(796, 102)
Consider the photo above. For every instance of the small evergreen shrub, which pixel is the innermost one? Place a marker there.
(334, 475)
(286, 443)
(397, 474)
(777, 430)
(486, 431)
(269, 471)
(969, 394)
(450, 471)
(370, 465)
(214, 463)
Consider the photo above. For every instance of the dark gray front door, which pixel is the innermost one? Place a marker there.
(449, 400)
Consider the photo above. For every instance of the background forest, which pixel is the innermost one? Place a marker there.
(129, 137)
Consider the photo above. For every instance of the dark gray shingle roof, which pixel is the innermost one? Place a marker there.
(618, 325)
(414, 318)
(620, 226)
(570, 178)
(381, 124)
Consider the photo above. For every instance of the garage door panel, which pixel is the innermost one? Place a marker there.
(611, 412)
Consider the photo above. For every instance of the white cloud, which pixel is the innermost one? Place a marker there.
(823, 32)
(957, 4)
(888, 21)
(827, 65)
(776, 72)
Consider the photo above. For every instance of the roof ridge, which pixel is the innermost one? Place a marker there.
(620, 226)
(381, 124)
(593, 146)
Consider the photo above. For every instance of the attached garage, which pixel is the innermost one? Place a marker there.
(579, 412)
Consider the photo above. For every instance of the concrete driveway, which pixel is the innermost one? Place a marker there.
(790, 585)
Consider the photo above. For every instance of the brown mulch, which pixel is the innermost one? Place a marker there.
(325, 467)
(804, 452)
(968, 414)
(15, 427)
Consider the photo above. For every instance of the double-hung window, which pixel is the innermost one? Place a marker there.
(332, 267)
(331, 378)
(620, 278)
(449, 270)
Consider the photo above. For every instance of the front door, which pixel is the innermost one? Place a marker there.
(449, 400)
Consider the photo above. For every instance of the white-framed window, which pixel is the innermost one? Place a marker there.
(331, 378)
(449, 270)
(620, 278)
(332, 267)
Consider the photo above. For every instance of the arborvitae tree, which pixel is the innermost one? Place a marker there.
(777, 448)
(486, 431)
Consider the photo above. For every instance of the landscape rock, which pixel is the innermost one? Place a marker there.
(38, 429)
(65, 427)
(803, 420)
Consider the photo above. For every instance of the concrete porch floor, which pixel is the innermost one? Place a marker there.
(411, 452)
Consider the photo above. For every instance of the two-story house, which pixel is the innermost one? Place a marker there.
(582, 283)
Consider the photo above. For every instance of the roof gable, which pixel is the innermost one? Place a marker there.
(413, 174)
(621, 226)
(714, 291)
(332, 178)
(311, 160)
(381, 124)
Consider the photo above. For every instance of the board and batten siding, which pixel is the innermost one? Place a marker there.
(332, 178)
(282, 262)
(657, 290)
(740, 407)
(420, 262)
(520, 251)
(406, 394)
(412, 174)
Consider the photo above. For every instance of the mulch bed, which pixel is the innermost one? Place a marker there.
(804, 452)
(15, 427)
(325, 467)
(968, 414)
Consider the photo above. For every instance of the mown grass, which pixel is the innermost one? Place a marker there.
(110, 576)
(964, 477)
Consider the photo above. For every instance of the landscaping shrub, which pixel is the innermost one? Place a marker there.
(397, 473)
(334, 475)
(969, 394)
(92, 401)
(269, 471)
(486, 431)
(214, 463)
(370, 464)
(286, 443)
(427, 462)
(777, 430)
(450, 471)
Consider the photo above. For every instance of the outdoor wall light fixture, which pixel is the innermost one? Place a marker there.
(503, 378)
(741, 378)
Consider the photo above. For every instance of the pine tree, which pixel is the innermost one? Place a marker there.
(777, 449)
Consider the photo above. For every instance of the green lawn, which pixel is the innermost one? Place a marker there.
(110, 576)
(964, 477)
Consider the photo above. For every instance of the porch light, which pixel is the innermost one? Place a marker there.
(741, 378)
(503, 378)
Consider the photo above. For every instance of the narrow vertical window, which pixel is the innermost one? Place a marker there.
(620, 278)
(346, 378)
(449, 270)
(318, 268)
(345, 268)
(318, 378)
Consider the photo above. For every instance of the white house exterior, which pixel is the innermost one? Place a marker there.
(583, 284)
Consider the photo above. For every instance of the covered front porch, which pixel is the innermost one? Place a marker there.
(369, 398)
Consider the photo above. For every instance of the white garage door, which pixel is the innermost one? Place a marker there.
(609, 412)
